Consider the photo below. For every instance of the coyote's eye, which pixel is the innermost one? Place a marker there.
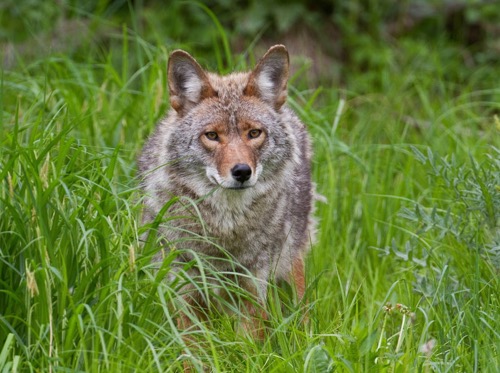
(212, 136)
(253, 134)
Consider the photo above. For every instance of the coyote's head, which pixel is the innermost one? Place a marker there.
(228, 129)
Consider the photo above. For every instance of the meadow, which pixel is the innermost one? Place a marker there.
(405, 274)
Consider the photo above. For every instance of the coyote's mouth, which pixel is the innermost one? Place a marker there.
(215, 179)
(239, 187)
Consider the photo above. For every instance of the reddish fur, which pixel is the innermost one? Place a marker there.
(298, 277)
(254, 326)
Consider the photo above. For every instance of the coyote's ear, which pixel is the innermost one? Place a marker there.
(269, 78)
(187, 82)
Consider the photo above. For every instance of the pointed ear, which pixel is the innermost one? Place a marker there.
(187, 82)
(269, 78)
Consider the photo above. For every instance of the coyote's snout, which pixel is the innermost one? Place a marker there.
(236, 164)
(231, 144)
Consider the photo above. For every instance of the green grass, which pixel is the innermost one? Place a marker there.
(408, 250)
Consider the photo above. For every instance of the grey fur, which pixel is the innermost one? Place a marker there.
(263, 227)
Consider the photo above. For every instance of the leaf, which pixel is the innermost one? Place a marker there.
(318, 360)
(7, 346)
(419, 155)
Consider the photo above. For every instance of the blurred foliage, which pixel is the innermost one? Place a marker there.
(22, 19)
(342, 37)
(466, 21)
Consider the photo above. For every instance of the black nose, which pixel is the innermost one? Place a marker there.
(241, 172)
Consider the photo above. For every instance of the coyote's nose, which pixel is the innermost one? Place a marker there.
(241, 172)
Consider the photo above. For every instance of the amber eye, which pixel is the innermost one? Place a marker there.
(212, 136)
(253, 134)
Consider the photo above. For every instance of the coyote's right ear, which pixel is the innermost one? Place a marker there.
(187, 82)
(269, 78)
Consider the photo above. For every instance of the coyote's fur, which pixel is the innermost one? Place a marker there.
(231, 144)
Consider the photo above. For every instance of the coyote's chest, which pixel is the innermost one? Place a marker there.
(237, 215)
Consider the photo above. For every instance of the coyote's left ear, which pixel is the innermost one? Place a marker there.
(269, 78)
(188, 84)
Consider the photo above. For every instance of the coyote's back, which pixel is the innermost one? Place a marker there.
(232, 144)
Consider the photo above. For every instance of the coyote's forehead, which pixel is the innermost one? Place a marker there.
(229, 87)
(231, 106)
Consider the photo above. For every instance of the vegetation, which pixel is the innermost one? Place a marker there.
(405, 276)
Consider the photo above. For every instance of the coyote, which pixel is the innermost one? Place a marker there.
(231, 144)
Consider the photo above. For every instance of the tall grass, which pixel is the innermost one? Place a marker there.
(404, 276)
